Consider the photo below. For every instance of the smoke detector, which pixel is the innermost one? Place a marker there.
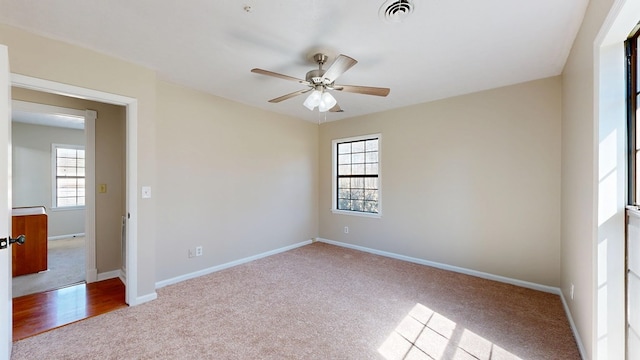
(395, 11)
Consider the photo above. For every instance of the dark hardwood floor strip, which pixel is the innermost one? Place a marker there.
(37, 313)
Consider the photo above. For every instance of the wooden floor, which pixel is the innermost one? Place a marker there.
(37, 313)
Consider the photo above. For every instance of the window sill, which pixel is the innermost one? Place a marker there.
(356, 213)
(69, 208)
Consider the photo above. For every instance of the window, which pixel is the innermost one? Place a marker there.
(633, 87)
(356, 175)
(69, 182)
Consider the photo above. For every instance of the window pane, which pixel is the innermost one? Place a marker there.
(371, 183)
(357, 147)
(372, 145)
(357, 194)
(67, 171)
(344, 170)
(357, 169)
(344, 159)
(66, 201)
(371, 195)
(357, 205)
(344, 183)
(357, 158)
(344, 193)
(371, 169)
(344, 204)
(372, 157)
(68, 153)
(357, 183)
(371, 206)
(344, 148)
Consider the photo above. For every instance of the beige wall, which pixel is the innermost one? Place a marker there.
(236, 180)
(579, 183)
(32, 173)
(53, 60)
(110, 170)
(471, 181)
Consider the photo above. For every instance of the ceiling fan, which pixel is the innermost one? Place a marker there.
(321, 81)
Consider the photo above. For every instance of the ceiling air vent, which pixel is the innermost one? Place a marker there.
(395, 10)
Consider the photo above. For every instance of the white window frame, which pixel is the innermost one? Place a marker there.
(334, 176)
(54, 185)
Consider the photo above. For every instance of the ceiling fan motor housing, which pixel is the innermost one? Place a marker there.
(316, 77)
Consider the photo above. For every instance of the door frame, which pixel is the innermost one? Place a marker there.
(6, 304)
(89, 116)
(131, 105)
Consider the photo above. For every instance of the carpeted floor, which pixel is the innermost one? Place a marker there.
(66, 265)
(322, 302)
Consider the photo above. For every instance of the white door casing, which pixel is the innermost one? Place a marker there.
(6, 316)
(131, 104)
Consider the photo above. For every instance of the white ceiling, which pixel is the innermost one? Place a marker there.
(444, 48)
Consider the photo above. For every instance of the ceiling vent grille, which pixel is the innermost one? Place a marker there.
(395, 10)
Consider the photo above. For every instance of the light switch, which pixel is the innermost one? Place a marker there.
(146, 192)
(102, 188)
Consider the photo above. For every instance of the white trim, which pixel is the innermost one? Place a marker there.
(143, 299)
(67, 208)
(108, 275)
(91, 266)
(334, 168)
(207, 271)
(60, 237)
(28, 82)
(572, 324)
(358, 213)
(480, 274)
(131, 104)
(32, 107)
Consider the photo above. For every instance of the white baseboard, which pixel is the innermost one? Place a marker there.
(109, 275)
(59, 237)
(574, 329)
(480, 274)
(92, 275)
(177, 279)
(145, 298)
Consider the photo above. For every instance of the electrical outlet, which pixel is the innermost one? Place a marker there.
(198, 250)
(571, 291)
(346, 229)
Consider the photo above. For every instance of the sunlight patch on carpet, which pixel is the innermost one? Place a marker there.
(426, 334)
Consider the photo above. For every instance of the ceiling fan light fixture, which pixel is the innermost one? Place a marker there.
(326, 102)
(313, 100)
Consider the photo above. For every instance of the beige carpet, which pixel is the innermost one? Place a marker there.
(66, 266)
(322, 302)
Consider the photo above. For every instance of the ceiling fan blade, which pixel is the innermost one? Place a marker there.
(281, 76)
(367, 90)
(341, 64)
(289, 96)
(336, 108)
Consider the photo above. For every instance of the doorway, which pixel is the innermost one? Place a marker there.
(129, 183)
(49, 171)
(57, 150)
